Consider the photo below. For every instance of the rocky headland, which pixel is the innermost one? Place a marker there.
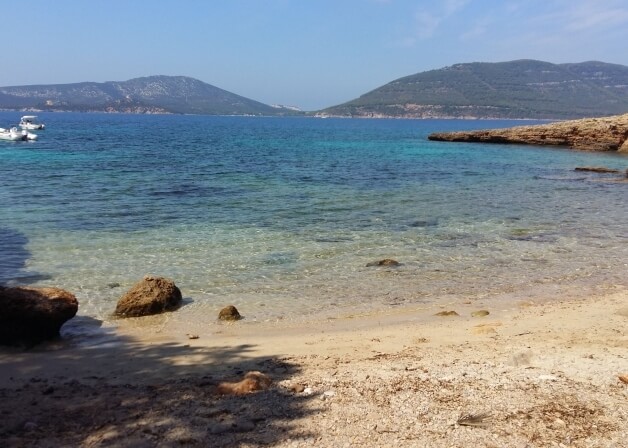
(589, 134)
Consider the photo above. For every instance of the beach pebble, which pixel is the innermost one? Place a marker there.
(297, 388)
(447, 313)
(308, 391)
(548, 378)
(243, 425)
(218, 428)
(384, 262)
(480, 313)
(30, 426)
(558, 423)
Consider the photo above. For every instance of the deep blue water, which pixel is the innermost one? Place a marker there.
(281, 215)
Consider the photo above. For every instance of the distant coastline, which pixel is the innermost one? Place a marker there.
(523, 89)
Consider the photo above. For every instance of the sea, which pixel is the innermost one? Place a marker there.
(285, 217)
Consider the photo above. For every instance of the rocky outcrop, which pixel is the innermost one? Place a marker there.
(589, 134)
(151, 295)
(596, 169)
(33, 315)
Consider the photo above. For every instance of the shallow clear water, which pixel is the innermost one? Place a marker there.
(279, 216)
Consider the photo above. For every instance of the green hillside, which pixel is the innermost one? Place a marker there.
(516, 89)
(153, 94)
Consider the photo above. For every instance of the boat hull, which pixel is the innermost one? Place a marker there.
(13, 135)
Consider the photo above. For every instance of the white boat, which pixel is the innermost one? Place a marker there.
(15, 135)
(30, 122)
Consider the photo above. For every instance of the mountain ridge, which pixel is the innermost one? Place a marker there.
(524, 88)
(149, 94)
(519, 89)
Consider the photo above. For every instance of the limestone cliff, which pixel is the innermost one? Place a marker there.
(589, 134)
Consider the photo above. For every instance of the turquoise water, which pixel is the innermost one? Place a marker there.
(279, 216)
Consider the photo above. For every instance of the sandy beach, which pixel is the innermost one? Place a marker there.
(528, 374)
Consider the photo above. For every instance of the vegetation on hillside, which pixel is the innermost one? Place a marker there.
(153, 94)
(516, 89)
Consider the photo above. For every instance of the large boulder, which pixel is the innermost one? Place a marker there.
(151, 295)
(32, 315)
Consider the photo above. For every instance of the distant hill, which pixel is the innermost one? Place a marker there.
(152, 94)
(516, 89)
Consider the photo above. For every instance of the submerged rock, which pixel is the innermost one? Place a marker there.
(591, 134)
(151, 295)
(229, 313)
(596, 169)
(384, 262)
(33, 315)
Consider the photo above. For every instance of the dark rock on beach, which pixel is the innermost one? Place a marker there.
(33, 315)
(229, 313)
(151, 295)
(589, 134)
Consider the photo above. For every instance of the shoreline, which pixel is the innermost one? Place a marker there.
(546, 372)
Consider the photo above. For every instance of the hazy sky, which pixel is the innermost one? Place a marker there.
(307, 53)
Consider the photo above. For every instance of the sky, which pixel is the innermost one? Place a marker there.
(306, 53)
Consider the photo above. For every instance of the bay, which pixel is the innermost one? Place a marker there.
(280, 216)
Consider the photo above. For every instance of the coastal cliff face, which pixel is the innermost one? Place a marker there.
(589, 134)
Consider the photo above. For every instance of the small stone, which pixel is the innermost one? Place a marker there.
(30, 426)
(48, 390)
(297, 388)
(329, 394)
(384, 262)
(485, 329)
(252, 382)
(480, 313)
(623, 378)
(243, 425)
(192, 336)
(308, 391)
(447, 313)
(218, 428)
(558, 423)
(229, 313)
(548, 378)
